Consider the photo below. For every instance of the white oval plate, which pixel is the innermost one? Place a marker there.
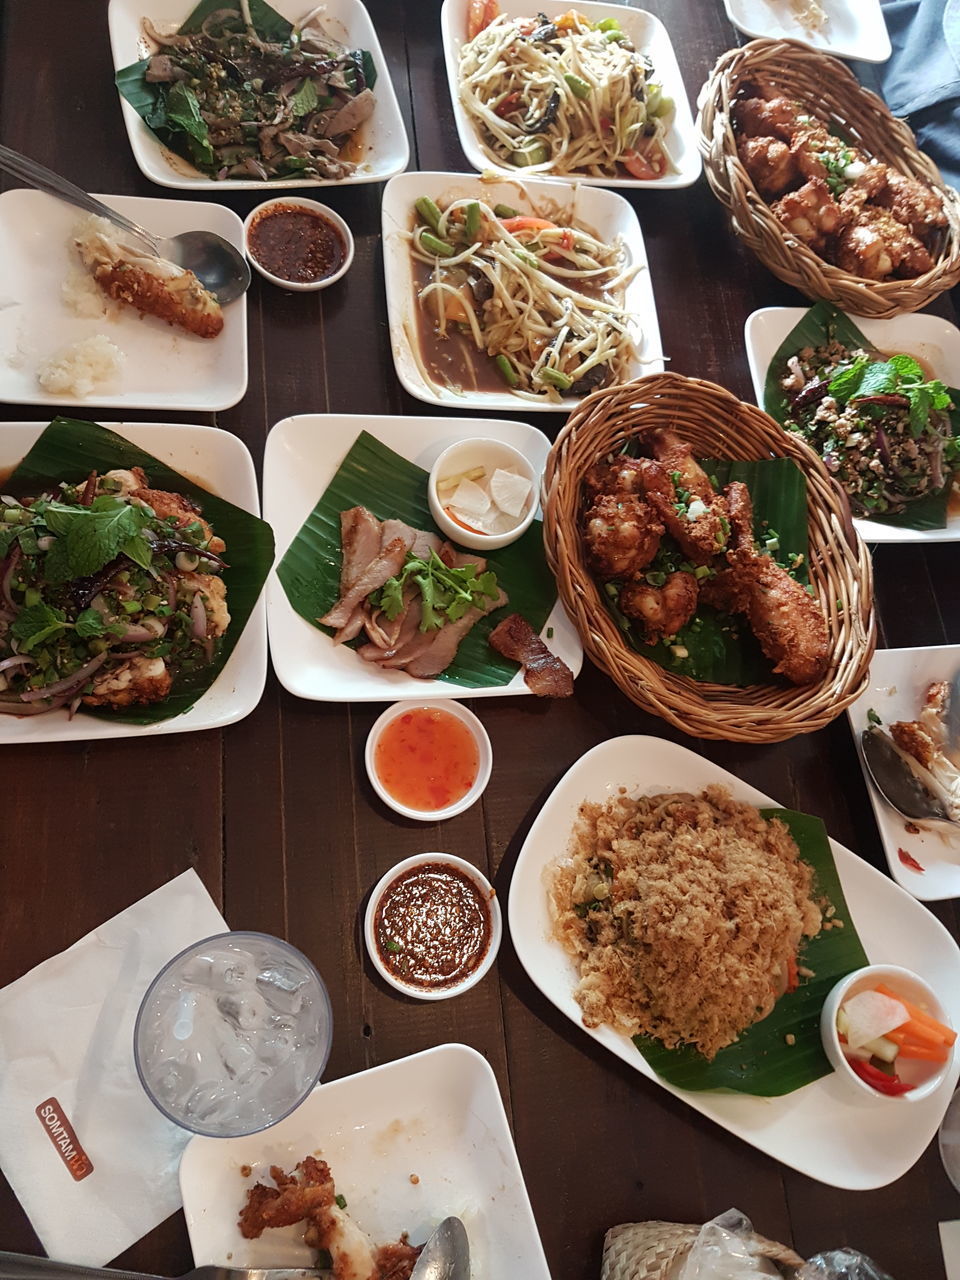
(436, 1115)
(898, 680)
(928, 338)
(221, 463)
(820, 1130)
(854, 28)
(603, 212)
(164, 367)
(387, 149)
(648, 34)
(302, 456)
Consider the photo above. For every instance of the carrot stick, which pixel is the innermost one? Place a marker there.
(946, 1033)
(916, 1031)
(462, 523)
(922, 1052)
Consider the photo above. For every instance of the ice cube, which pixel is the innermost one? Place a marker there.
(238, 1059)
(228, 971)
(281, 985)
(246, 1011)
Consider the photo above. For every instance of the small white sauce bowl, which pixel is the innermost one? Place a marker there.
(496, 925)
(299, 202)
(926, 1077)
(491, 454)
(484, 767)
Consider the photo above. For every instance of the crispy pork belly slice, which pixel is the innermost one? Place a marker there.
(135, 682)
(360, 540)
(544, 673)
(152, 285)
(387, 564)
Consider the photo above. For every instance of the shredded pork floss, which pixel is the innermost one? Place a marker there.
(685, 914)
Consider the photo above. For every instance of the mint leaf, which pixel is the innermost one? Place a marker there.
(183, 112)
(7, 534)
(56, 564)
(845, 383)
(36, 623)
(138, 550)
(920, 404)
(90, 623)
(879, 379)
(305, 99)
(92, 536)
(907, 369)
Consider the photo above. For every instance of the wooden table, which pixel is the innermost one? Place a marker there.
(276, 813)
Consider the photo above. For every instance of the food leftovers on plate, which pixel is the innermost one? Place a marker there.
(309, 1195)
(810, 14)
(662, 540)
(851, 209)
(129, 274)
(883, 1034)
(244, 96)
(562, 95)
(519, 300)
(924, 747)
(685, 914)
(110, 589)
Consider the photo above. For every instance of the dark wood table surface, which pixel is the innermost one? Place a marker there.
(276, 814)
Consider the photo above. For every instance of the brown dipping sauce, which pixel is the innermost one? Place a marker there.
(297, 244)
(432, 926)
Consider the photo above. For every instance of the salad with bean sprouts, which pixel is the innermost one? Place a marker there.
(563, 95)
(541, 302)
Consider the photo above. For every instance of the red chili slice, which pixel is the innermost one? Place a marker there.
(910, 861)
(893, 1086)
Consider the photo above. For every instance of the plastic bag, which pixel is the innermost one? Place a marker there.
(723, 1251)
(841, 1264)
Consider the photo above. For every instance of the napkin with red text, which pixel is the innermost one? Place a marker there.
(91, 1159)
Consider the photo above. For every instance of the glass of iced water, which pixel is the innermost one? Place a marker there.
(233, 1034)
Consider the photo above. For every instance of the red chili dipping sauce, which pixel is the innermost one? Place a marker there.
(432, 926)
(427, 759)
(296, 244)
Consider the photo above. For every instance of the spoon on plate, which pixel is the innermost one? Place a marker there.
(24, 1266)
(896, 781)
(216, 263)
(446, 1255)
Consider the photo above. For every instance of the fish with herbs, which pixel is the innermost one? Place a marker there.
(110, 590)
(881, 426)
(239, 102)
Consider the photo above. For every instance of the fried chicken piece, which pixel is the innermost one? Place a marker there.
(622, 535)
(785, 618)
(867, 186)
(811, 214)
(764, 118)
(810, 143)
(618, 477)
(913, 204)
(769, 163)
(699, 526)
(662, 611)
(136, 682)
(875, 246)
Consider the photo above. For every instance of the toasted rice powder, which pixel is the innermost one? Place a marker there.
(691, 909)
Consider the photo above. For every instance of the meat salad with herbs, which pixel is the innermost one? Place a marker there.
(880, 425)
(110, 589)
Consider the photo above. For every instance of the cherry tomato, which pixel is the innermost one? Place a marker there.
(480, 14)
(639, 166)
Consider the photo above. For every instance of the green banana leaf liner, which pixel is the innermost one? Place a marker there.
(373, 476)
(822, 324)
(761, 1061)
(180, 129)
(720, 647)
(69, 449)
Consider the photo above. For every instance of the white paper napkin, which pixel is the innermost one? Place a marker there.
(92, 1160)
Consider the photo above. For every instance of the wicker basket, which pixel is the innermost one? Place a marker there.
(657, 1250)
(717, 425)
(833, 94)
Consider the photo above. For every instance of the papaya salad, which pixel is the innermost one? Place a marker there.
(563, 95)
(511, 299)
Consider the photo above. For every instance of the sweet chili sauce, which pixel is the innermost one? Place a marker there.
(427, 759)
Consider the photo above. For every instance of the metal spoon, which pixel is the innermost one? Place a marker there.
(896, 781)
(214, 261)
(446, 1255)
(24, 1266)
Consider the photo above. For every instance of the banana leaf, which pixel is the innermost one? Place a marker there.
(373, 476)
(821, 324)
(761, 1062)
(720, 647)
(69, 449)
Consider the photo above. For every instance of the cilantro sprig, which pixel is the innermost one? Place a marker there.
(445, 594)
(900, 375)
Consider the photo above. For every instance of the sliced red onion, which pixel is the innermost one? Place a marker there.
(18, 708)
(937, 478)
(883, 448)
(12, 561)
(74, 706)
(21, 660)
(69, 684)
(198, 616)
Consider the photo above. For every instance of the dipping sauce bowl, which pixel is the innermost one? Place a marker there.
(297, 243)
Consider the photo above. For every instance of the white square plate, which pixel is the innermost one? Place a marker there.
(221, 463)
(648, 34)
(824, 1130)
(899, 678)
(302, 456)
(437, 1115)
(387, 150)
(164, 367)
(928, 338)
(854, 28)
(602, 212)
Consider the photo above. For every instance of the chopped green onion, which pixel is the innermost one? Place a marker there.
(31, 597)
(562, 381)
(439, 248)
(549, 633)
(656, 578)
(701, 571)
(428, 211)
(471, 222)
(341, 1201)
(507, 372)
(578, 87)
(872, 717)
